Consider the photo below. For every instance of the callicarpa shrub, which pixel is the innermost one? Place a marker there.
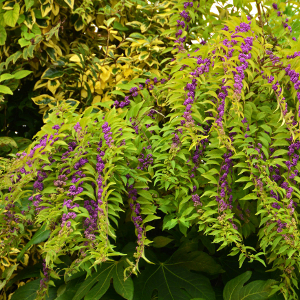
(206, 156)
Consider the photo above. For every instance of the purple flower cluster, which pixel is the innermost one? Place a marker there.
(239, 74)
(94, 206)
(296, 54)
(224, 184)
(187, 4)
(46, 274)
(77, 176)
(10, 216)
(175, 141)
(190, 97)
(42, 144)
(134, 93)
(66, 217)
(203, 67)
(80, 163)
(244, 27)
(185, 14)
(279, 14)
(135, 126)
(196, 200)
(293, 156)
(71, 147)
(280, 225)
(179, 43)
(151, 114)
(122, 104)
(107, 134)
(61, 181)
(222, 95)
(274, 59)
(56, 127)
(145, 161)
(135, 207)
(73, 191)
(289, 190)
(294, 78)
(77, 127)
(225, 189)
(68, 204)
(276, 177)
(38, 184)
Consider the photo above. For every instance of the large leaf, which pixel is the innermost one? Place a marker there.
(94, 287)
(255, 290)
(69, 290)
(11, 16)
(27, 291)
(40, 236)
(186, 256)
(169, 280)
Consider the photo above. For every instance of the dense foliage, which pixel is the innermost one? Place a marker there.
(164, 169)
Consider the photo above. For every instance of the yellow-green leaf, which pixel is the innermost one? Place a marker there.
(11, 16)
(5, 90)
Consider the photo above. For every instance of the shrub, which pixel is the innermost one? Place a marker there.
(207, 154)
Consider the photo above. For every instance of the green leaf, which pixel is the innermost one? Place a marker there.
(11, 16)
(118, 93)
(211, 178)
(95, 286)
(161, 241)
(120, 27)
(52, 74)
(6, 76)
(3, 35)
(137, 35)
(21, 74)
(279, 152)
(126, 86)
(28, 4)
(40, 236)
(170, 280)
(255, 290)
(5, 90)
(249, 197)
(27, 291)
(70, 289)
(196, 260)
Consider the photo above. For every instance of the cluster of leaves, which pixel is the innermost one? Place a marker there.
(205, 152)
(41, 36)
